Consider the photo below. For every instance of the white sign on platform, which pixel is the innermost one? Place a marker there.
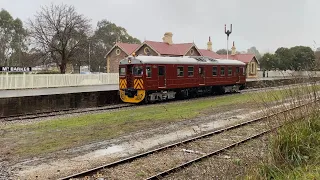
(15, 69)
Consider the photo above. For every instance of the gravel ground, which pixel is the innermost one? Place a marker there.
(231, 164)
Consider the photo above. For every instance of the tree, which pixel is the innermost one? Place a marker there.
(303, 58)
(13, 37)
(104, 38)
(224, 51)
(60, 32)
(253, 50)
(268, 62)
(285, 58)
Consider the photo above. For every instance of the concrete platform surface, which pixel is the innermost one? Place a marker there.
(58, 90)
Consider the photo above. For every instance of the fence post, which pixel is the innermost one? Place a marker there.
(24, 80)
(7, 80)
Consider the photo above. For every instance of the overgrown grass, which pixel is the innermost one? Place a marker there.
(294, 149)
(53, 135)
(294, 152)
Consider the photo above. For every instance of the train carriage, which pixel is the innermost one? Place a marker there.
(157, 78)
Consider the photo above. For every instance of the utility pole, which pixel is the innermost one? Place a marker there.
(227, 33)
(89, 56)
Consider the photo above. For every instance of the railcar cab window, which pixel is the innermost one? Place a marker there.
(122, 71)
(148, 71)
(190, 71)
(137, 70)
(179, 71)
(222, 73)
(229, 71)
(214, 71)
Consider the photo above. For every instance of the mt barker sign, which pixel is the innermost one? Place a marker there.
(15, 69)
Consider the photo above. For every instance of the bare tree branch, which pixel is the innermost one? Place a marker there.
(59, 30)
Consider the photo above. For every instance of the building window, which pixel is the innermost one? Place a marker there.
(148, 71)
(237, 70)
(252, 68)
(214, 71)
(229, 71)
(180, 71)
(222, 71)
(146, 50)
(118, 51)
(122, 71)
(190, 71)
(191, 51)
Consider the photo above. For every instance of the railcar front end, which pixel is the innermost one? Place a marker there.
(131, 82)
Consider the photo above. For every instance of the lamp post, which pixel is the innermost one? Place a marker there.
(227, 32)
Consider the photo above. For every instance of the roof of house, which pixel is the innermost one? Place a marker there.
(246, 58)
(125, 47)
(208, 53)
(128, 48)
(169, 49)
(179, 60)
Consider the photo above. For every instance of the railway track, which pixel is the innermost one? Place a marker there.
(157, 163)
(110, 107)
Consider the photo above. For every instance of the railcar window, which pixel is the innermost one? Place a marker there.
(180, 71)
(137, 71)
(229, 71)
(214, 71)
(237, 70)
(222, 71)
(148, 71)
(122, 71)
(243, 70)
(190, 71)
(201, 70)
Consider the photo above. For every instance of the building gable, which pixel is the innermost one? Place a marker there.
(193, 51)
(113, 58)
(145, 49)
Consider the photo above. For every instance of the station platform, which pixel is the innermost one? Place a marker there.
(57, 90)
(78, 89)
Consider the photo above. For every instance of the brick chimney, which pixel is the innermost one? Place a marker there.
(209, 45)
(233, 52)
(167, 37)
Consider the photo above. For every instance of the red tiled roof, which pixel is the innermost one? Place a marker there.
(205, 52)
(128, 48)
(246, 58)
(169, 49)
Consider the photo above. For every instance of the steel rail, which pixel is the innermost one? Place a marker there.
(131, 158)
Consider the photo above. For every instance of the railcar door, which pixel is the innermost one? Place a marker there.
(201, 75)
(161, 76)
(129, 76)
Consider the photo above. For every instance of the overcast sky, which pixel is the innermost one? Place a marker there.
(266, 24)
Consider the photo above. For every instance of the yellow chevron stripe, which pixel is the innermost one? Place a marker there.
(123, 83)
(138, 84)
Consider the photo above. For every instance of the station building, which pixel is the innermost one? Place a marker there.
(167, 48)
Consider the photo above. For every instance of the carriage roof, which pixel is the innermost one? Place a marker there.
(179, 60)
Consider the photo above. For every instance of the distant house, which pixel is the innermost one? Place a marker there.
(250, 60)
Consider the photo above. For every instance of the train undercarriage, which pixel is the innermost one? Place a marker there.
(143, 96)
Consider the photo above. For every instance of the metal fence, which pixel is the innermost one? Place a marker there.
(25, 81)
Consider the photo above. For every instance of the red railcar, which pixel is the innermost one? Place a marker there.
(153, 78)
